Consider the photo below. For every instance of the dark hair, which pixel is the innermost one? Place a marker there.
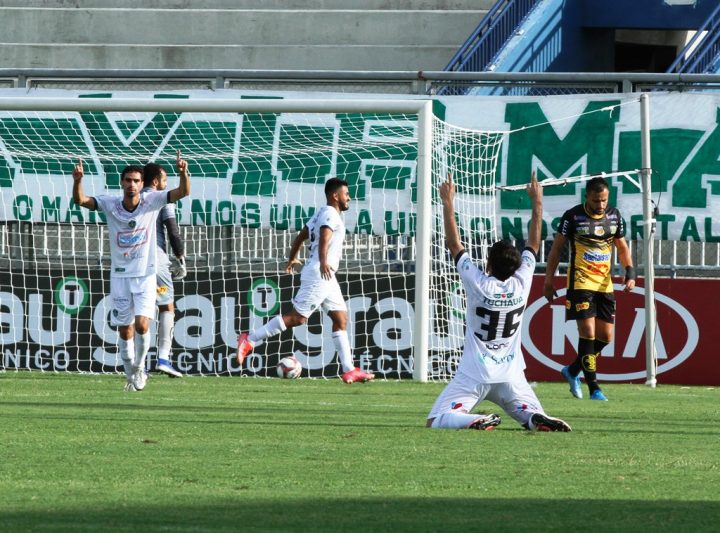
(596, 185)
(503, 260)
(150, 172)
(333, 184)
(129, 169)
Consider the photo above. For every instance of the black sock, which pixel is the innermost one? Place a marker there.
(585, 346)
(576, 366)
(591, 375)
(591, 380)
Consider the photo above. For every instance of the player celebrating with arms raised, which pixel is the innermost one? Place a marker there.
(591, 229)
(318, 284)
(131, 220)
(492, 365)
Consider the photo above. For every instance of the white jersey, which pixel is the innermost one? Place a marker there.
(493, 319)
(133, 234)
(330, 217)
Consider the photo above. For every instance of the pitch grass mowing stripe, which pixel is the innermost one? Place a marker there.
(230, 454)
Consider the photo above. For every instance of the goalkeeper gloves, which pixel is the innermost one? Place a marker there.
(180, 270)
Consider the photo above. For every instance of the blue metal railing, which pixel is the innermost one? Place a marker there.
(498, 25)
(701, 54)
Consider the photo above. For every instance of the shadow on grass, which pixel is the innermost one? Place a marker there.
(265, 414)
(244, 513)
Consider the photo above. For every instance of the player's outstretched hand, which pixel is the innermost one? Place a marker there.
(180, 271)
(447, 191)
(78, 170)
(182, 165)
(534, 189)
(629, 285)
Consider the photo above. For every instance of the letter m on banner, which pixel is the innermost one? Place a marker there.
(582, 145)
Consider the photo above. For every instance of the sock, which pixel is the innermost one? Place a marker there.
(141, 349)
(591, 376)
(588, 359)
(342, 345)
(274, 327)
(600, 346)
(585, 346)
(453, 420)
(166, 322)
(126, 349)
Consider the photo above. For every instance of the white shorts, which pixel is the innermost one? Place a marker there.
(516, 398)
(165, 289)
(132, 297)
(315, 293)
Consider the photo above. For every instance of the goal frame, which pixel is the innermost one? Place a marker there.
(420, 107)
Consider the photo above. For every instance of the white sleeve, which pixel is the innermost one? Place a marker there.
(102, 202)
(468, 270)
(157, 199)
(331, 219)
(527, 267)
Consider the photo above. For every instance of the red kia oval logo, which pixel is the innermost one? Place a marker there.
(552, 341)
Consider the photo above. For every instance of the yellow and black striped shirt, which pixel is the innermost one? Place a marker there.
(591, 244)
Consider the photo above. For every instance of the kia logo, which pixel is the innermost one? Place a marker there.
(628, 345)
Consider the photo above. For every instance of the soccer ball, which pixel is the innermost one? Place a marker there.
(289, 368)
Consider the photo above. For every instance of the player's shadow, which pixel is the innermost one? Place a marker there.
(241, 511)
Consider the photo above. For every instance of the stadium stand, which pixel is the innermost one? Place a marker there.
(236, 34)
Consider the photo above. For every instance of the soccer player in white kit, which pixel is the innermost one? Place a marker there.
(131, 220)
(155, 179)
(318, 285)
(492, 365)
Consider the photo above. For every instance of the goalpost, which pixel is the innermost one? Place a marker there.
(258, 167)
(257, 170)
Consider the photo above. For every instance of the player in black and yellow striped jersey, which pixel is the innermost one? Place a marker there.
(591, 229)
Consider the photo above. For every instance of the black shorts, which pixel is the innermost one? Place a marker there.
(581, 304)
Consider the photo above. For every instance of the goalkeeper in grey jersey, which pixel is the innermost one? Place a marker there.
(155, 178)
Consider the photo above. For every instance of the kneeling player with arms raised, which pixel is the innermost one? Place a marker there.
(492, 365)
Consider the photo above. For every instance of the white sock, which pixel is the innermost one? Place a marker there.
(166, 322)
(127, 353)
(342, 345)
(454, 420)
(141, 349)
(274, 327)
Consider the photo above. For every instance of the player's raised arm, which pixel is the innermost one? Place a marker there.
(535, 192)
(293, 261)
(78, 193)
(452, 235)
(183, 189)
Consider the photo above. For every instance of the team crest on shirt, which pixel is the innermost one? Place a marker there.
(599, 231)
(132, 223)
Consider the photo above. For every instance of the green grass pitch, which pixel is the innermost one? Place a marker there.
(235, 454)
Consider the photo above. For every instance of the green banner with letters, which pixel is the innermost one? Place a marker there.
(256, 170)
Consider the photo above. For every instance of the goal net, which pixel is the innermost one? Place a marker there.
(257, 174)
